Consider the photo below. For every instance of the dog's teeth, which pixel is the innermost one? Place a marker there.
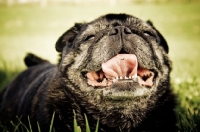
(134, 76)
(120, 77)
(126, 77)
(117, 78)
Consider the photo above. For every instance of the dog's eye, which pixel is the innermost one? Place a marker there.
(148, 34)
(71, 39)
(90, 37)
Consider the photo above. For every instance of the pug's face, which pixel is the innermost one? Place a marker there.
(116, 62)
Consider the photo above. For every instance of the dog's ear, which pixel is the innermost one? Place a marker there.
(68, 37)
(161, 40)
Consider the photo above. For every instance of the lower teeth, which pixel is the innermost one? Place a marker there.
(124, 79)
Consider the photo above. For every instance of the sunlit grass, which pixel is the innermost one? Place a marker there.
(33, 29)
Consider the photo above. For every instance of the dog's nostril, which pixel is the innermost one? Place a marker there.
(120, 30)
(127, 30)
(114, 31)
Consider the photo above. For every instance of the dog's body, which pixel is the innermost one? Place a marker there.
(114, 69)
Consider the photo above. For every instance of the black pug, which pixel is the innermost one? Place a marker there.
(115, 69)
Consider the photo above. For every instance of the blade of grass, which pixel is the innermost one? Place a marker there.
(3, 127)
(87, 124)
(180, 125)
(38, 127)
(97, 126)
(29, 124)
(191, 119)
(76, 127)
(22, 124)
(51, 125)
(15, 126)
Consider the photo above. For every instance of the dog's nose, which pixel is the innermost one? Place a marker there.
(120, 30)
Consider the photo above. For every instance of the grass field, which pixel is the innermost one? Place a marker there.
(34, 29)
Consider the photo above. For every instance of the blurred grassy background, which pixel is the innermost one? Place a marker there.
(32, 28)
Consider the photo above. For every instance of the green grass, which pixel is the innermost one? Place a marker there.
(21, 127)
(34, 29)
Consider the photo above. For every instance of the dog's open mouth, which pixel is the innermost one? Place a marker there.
(121, 68)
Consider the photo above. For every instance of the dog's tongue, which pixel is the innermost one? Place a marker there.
(122, 65)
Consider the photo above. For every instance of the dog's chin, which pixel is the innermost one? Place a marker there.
(122, 78)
